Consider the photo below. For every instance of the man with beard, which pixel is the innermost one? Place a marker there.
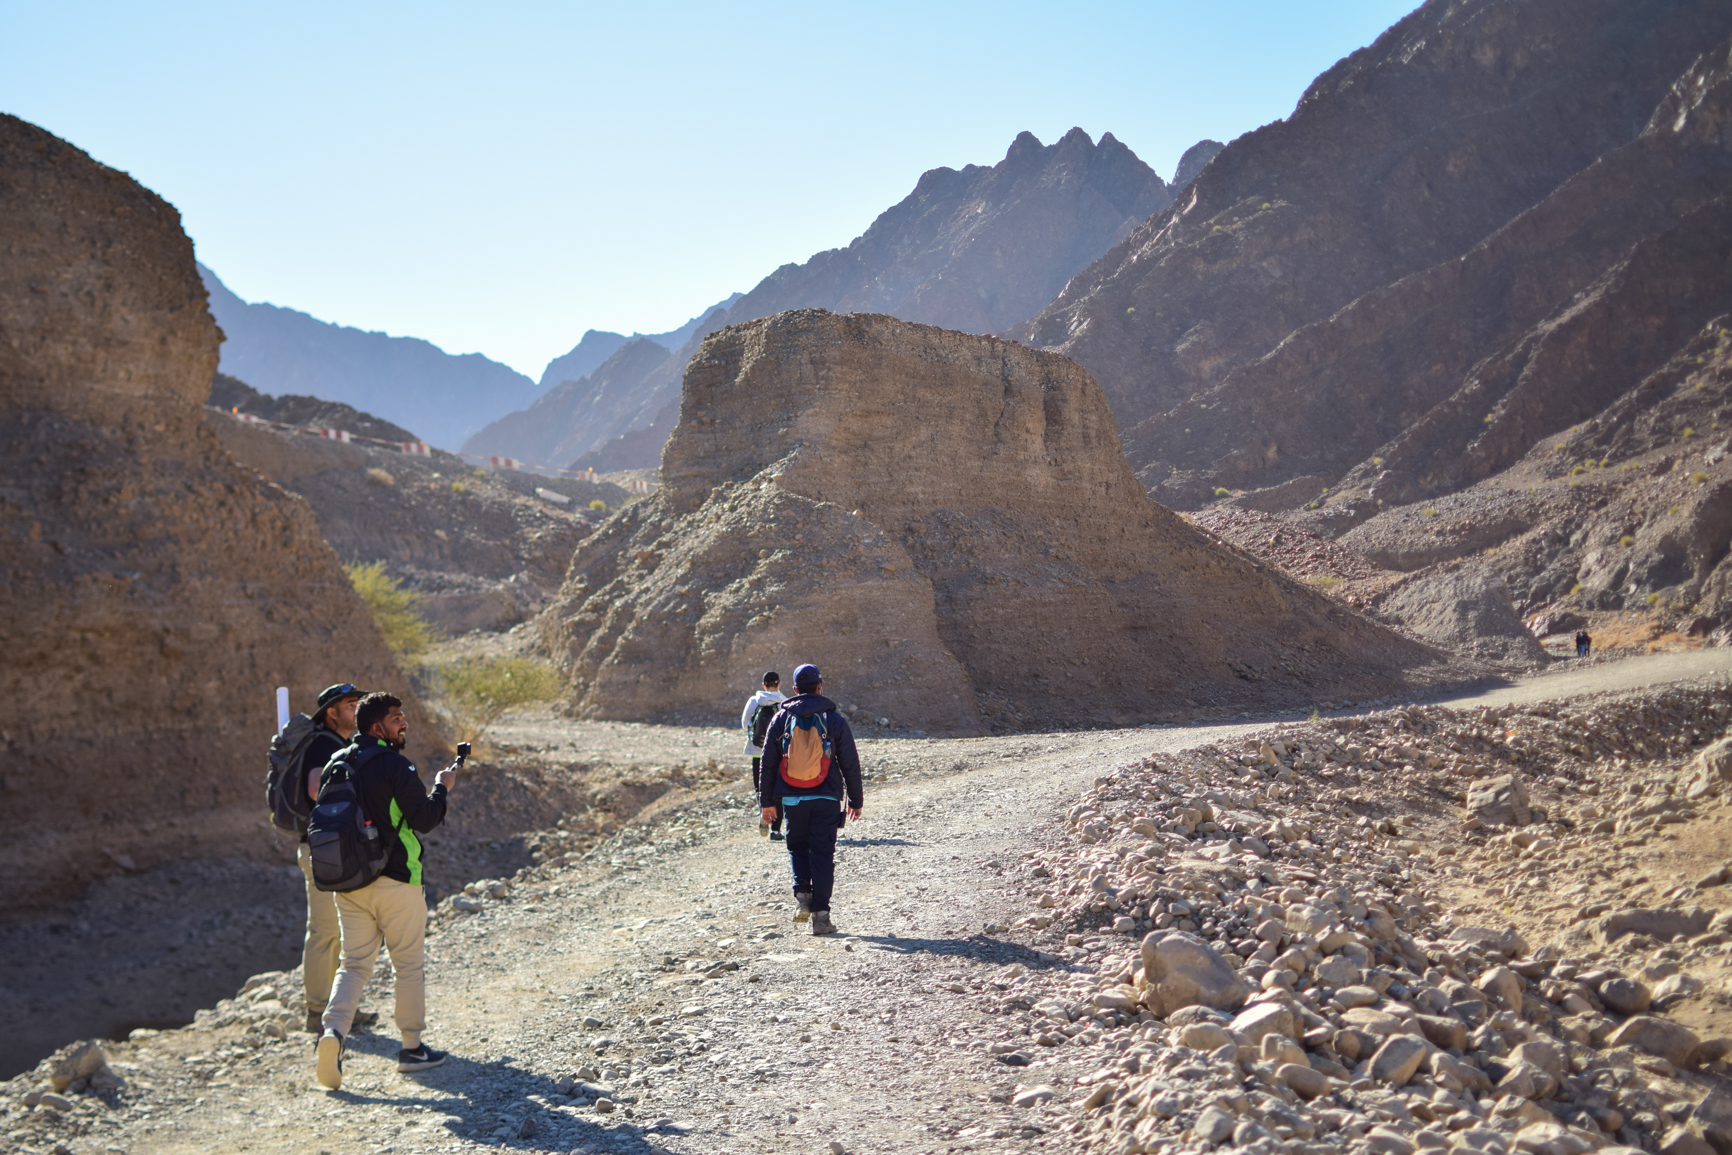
(392, 909)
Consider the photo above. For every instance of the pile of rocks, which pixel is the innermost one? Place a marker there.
(1301, 984)
(1294, 549)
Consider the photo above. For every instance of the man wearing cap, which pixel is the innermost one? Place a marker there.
(809, 761)
(334, 715)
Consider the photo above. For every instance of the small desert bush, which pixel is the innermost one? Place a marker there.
(598, 505)
(1626, 541)
(1429, 512)
(472, 693)
(393, 609)
(377, 476)
(1219, 492)
(1699, 477)
(1324, 581)
(459, 487)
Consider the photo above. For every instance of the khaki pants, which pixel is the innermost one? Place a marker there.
(320, 950)
(395, 914)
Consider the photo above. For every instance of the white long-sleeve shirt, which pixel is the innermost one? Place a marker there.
(761, 698)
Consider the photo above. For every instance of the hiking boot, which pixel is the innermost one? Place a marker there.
(763, 828)
(821, 923)
(422, 1058)
(804, 898)
(330, 1070)
(775, 835)
(314, 1025)
(365, 1019)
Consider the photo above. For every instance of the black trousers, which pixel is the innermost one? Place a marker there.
(757, 788)
(812, 827)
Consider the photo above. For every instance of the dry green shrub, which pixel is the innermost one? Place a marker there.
(472, 693)
(393, 609)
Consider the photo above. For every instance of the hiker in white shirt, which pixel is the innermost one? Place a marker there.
(755, 720)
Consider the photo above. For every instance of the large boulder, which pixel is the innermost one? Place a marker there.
(946, 524)
(152, 592)
(1181, 970)
(1500, 801)
(1709, 771)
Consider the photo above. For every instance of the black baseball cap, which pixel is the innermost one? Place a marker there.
(333, 694)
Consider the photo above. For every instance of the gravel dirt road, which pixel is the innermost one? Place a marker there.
(663, 974)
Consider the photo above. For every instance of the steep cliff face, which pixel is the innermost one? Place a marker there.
(1328, 279)
(152, 593)
(976, 249)
(947, 525)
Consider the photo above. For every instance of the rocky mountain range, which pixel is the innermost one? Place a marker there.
(413, 383)
(1002, 568)
(1358, 289)
(153, 593)
(976, 249)
(597, 346)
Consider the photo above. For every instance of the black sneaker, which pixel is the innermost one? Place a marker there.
(330, 1067)
(775, 836)
(422, 1058)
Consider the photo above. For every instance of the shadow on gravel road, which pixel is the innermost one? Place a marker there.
(845, 841)
(491, 1101)
(977, 946)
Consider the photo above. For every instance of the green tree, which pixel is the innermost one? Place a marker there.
(393, 608)
(474, 692)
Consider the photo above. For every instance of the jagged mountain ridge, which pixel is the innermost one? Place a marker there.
(413, 383)
(598, 345)
(974, 249)
(1402, 158)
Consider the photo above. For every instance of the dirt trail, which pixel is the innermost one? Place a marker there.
(874, 1039)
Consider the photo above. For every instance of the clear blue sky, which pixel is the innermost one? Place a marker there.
(499, 177)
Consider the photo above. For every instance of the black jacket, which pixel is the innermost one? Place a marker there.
(321, 747)
(395, 801)
(844, 763)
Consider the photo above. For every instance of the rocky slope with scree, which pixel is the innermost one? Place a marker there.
(945, 523)
(152, 593)
(484, 548)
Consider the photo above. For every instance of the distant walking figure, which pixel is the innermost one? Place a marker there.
(809, 762)
(755, 720)
(1583, 643)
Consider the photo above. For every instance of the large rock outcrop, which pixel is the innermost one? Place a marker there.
(947, 525)
(978, 249)
(152, 592)
(1466, 237)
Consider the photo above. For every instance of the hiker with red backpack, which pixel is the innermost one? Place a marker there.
(809, 763)
(755, 720)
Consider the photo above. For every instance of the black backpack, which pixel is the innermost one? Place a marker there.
(346, 847)
(286, 779)
(761, 722)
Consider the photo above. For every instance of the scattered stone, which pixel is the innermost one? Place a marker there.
(1664, 925)
(1213, 1125)
(1032, 1096)
(1500, 801)
(1305, 1082)
(1397, 1060)
(1671, 1041)
(1625, 996)
(79, 1061)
